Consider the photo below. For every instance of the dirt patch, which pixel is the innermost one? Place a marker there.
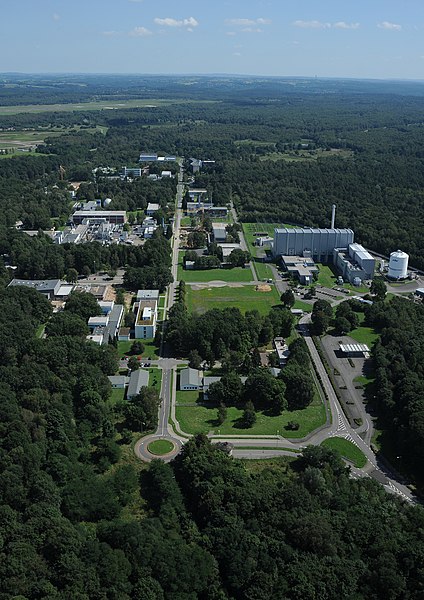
(263, 287)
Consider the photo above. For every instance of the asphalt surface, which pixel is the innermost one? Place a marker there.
(263, 446)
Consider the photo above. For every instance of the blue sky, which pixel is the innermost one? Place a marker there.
(326, 38)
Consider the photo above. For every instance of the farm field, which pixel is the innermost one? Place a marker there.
(203, 419)
(98, 105)
(244, 297)
(25, 139)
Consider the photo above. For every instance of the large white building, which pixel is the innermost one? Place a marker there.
(354, 263)
(147, 313)
(307, 242)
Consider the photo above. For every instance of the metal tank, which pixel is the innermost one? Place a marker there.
(398, 265)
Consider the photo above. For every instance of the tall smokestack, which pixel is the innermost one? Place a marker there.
(333, 216)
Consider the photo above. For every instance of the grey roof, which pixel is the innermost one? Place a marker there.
(274, 371)
(138, 379)
(207, 381)
(189, 377)
(147, 294)
(118, 379)
(41, 285)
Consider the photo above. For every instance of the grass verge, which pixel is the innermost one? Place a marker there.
(347, 450)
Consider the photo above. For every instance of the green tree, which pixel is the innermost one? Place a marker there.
(133, 363)
(378, 289)
(249, 415)
(287, 298)
(72, 276)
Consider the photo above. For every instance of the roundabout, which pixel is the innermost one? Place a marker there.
(160, 447)
(153, 446)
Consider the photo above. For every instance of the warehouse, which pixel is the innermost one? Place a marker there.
(310, 243)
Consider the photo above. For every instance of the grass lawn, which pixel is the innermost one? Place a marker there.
(328, 278)
(150, 349)
(347, 450)
(187, 397)
(155, 377)
(237, 274)
(161, 303)
(302, 305)
(185, 221)
(202, 419)
(117, 395)
(160, 447)
(245, 298)
(364, 335)
(263, 270)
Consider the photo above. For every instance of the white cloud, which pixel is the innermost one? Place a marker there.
(236, 53)
(312, 24)
(252, 30)
(248, 22)
(390, 26)
(56, 17)
(111, 33)
(168, 22)
(344, 25)
(140, 32)
(230, 33)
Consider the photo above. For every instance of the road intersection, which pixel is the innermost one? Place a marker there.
(262, 446)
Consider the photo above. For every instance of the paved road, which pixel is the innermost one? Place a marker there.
(261, 446)
(168, 365)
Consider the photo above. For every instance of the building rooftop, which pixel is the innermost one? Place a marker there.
(190, 377)
(118, 379)
(147, 294)
(138, 379)
(153, 206)
(41, 285)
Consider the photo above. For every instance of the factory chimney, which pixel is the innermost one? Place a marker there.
(333, 216)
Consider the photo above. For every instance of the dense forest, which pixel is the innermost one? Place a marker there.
(81, 517)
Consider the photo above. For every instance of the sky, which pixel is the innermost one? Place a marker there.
(381, 39)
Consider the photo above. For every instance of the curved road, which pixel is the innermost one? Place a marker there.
(267, 446)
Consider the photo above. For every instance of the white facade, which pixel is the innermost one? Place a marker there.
(398, 265)
(145, 323)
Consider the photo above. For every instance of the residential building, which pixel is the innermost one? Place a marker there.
(318, 244)
(196, 206)
(138, 379)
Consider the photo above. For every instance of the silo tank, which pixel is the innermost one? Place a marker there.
(398, 265)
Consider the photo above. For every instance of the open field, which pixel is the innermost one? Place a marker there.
(239, 274)
(203, 419)
(150, 349)
(245, 298)
(347, 450)
(116, 395)
(98, 105)
(14, 140)
(155, 377)
(187, 396)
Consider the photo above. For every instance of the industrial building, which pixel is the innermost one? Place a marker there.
(310, 243)
(126, 172)
(301, 268)
(219, 232)
(110, 216)
(48, 287)
(398, 265)
(354, 263)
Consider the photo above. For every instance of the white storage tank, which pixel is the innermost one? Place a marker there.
(398, 265)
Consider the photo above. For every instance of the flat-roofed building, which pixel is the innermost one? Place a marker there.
(48, 287)
(148, 295)
(318, 244)
(282, 350)
(301, 268)
(117, 217)
(148, 157)
(354, 263)
(152, 208)
(118, 381)
(146, 319)
(355, 350)
(132, 172)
